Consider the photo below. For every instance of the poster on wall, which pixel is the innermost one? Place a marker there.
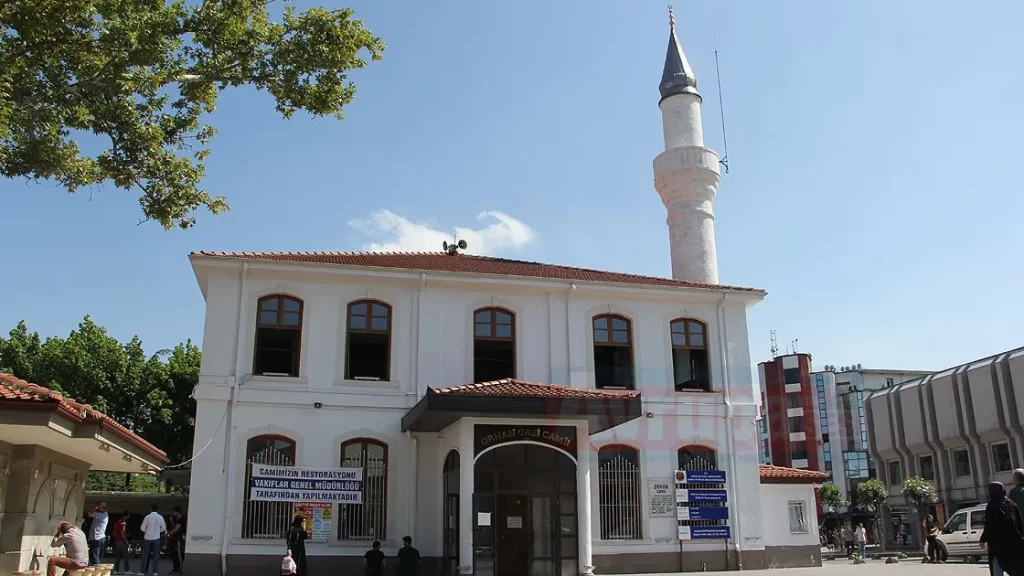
(318, 519)
(291, 484)
(663, 501)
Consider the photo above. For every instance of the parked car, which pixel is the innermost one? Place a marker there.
(959, 537)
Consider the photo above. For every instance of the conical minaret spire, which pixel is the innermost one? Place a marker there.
(686, 174)
(677, 77)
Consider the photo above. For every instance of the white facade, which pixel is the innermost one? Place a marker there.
(432, 346)
(783, 501)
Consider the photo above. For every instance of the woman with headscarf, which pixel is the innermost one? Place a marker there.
(297, 543)
(1003, 535)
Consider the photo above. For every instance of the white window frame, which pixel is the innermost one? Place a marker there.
(800, 508)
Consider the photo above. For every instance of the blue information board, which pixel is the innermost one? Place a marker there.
(705, 533)
(700, 476)
(701, 495)
(702, 513)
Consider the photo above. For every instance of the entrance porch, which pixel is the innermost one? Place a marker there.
(516, 487)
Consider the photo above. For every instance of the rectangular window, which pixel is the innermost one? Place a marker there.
(797, 424)
(927, 467)
(791, 375)
(961, 463)
(797, 517)
(613, 352)
(895, 473)
(798, 451)
(889, 382)
(1001, 457)
(793, 400)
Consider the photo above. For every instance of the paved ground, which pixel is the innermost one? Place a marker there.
(871, 568)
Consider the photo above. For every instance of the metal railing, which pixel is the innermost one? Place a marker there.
(619, 499)
(368, 520)
(266, 520)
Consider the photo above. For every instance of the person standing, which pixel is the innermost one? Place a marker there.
(97, 532)
(76, 549)
(1003, 536)
(297, 543)
(931, 532)
(121, 542)
(373, 560)
(176, 539)
(1017, 492)
(153, 527)
(862, 539)
(848, 539)
(408, 558)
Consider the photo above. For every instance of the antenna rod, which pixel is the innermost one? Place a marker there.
(721, 109)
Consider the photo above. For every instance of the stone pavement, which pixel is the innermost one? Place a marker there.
(913, 567)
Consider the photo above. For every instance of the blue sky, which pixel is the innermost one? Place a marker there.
(875, 150)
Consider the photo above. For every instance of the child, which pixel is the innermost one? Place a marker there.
(288, 567)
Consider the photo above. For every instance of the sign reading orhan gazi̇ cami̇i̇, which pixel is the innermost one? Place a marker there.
(290, 484)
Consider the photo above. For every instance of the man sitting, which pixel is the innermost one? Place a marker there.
(76, 549)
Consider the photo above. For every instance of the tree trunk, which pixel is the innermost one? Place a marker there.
(127, 481)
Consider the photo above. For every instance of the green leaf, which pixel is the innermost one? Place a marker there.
(140, 76)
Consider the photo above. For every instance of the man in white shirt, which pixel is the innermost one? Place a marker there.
(97, 533)
(153, 526)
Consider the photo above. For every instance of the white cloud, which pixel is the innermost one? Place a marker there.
(399, 234)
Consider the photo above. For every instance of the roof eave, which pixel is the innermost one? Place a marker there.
(751, 295)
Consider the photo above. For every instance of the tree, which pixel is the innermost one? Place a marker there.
(831, 498)
(919, 493)
(873, 494)
(150, 396)
(135, 79)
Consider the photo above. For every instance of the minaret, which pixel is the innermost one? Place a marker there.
(686, 174)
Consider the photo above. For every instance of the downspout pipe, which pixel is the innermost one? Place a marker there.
(229, 469)
(730, 437)
(568, 335)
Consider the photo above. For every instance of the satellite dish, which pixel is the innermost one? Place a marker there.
(462, 244)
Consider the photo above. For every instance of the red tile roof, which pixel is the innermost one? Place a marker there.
(510, 387)
(782, 475)
(17, 390)
(468, 264)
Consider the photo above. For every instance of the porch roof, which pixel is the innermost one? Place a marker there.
(33, 414)
(509, 398)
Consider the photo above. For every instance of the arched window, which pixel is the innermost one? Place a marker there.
(368, 520)
(368, 341)
(695, 458)
(266, 520)
(613, 352)
(278, 336)
(494, 344)
(618, 473)
(690, 355)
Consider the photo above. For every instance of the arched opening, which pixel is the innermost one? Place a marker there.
(494, 344)
(526, 517)
(696, 458)
(367, 520)
(266, 520)
(450, 529)
(278, 336)
(613, 352)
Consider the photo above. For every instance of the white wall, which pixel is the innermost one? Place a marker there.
(432, 346)
(775, 499)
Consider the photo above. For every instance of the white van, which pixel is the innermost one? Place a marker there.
(959, 537)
